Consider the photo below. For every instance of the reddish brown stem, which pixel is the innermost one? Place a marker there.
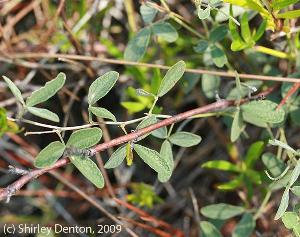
(291, 91)
(10, 190)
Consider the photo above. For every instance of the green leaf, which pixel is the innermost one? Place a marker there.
(221, 211)
(133, 107)
(218, 56)
(289, 14)
(296, 190)
(138, 45)
(148, 13)
(261, 30)
(85, 138)
(145, 123)
(295, 174)
(161, 133)
(49, 155)
(245, 227)
(171, 78)
(14, 89)
(102, 113)
(101, 86)
(254, 153)
(209, 230)
(44, 113)
(185, 139)
(203, 13)
(221, 165)
(89, 170)
(273, 164)
(116, 158)
(245, 29)
(201, 46)
(233, 184)
(153, 159)
(218, 33)
(165, 31)
(284, 203)
(280, 4)
(167, 155)
(237, 126)
(290, 220)
(47, 91)
(210, 85)
(246, 88)
(263, 110)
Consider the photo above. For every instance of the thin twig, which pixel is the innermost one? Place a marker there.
(129, 63)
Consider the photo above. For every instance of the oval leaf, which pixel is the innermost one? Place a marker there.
(171, 78)
(137, 46)
(218, 56)
(245, 227)
(44, 113)
(203, 13)
(116, 158)
(273, 164)
(221, 165)
(209, 230)
(85, 138)
(201, 46)
(102, 113)
(284, 203)
(49, 155)
(14, 89)
(153, 159)
(210, 85)
(237, 126)
(185, 139)
(47, 91)
(167, 155)
(101, 86)
(89, 170)
(263, 110)
(165, 31)
(148, 13)
(218, 33)
(145, 123)
(221, 211)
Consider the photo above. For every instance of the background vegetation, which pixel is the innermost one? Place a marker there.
(180, 118)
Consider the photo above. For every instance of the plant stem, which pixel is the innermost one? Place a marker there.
(6, 193)
(149, 65)
(263, 205)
